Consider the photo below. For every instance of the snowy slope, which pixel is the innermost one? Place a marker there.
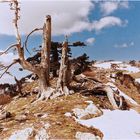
(117, 124)
(121, 66)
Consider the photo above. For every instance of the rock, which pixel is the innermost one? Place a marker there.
(5, 115)
(45, 115)
(42, 135)
(86, 136)
(41, 115)
(21, 118)
(68, 114)
(22, 134)
(46, 125)
(79, 113)
(90, 111)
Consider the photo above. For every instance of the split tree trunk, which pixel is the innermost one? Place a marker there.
(45, 90)
(63, 79)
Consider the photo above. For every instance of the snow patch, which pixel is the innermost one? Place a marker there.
(86, 136)
(21, 134)
(106, 65)
(129, 68)
(116, 124)
(121, 66)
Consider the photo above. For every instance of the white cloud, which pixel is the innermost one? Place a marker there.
(124, 45)
(15, 72)
(108, 21)
(67, 17)
(7, 58)
(108, 7)
(90, 40)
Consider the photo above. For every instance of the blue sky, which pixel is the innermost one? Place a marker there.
(110, 28)
(114, 42)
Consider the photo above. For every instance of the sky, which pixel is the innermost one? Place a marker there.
(110, 29)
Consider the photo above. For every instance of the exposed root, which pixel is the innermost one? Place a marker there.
(46, 94)
(61, 91)
(110, 95)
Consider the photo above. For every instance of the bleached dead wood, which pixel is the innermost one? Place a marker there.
(26, 40)
(110, 95)
(42, 69)
(64, 73)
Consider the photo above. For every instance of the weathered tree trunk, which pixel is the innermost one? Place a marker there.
(62, 82)
(42, 69)
(64, 73)
(45, 90)
(48, 43)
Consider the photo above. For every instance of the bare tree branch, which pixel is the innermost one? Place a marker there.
(15, 6)
(5, 1)
(8, 67)
(26, 40)
(12, 46)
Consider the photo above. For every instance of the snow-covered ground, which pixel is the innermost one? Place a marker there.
(137, 80)
(106, 65)
(116, 125)
(121, 66)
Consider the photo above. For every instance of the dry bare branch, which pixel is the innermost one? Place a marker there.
(6, 68)
(26, 40)
(12, 46)
(15, 6)
(5, 1)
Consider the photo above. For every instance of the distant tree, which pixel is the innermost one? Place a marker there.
(55, 55)
(80, 64)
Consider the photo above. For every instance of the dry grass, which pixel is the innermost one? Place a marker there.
(62, 127)
(135, 75)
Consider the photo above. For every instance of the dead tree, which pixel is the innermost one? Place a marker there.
(42, 69)
(64, 73)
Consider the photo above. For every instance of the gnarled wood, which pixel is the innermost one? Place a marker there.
(63, 79)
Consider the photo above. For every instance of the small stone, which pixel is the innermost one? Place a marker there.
(68, 114)
(47, 125)
(86, 136)
(21, 118)
(42, 135)
(41, 115)
(45, 115)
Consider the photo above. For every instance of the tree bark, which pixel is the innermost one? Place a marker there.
(63, 79)
(45, 90)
